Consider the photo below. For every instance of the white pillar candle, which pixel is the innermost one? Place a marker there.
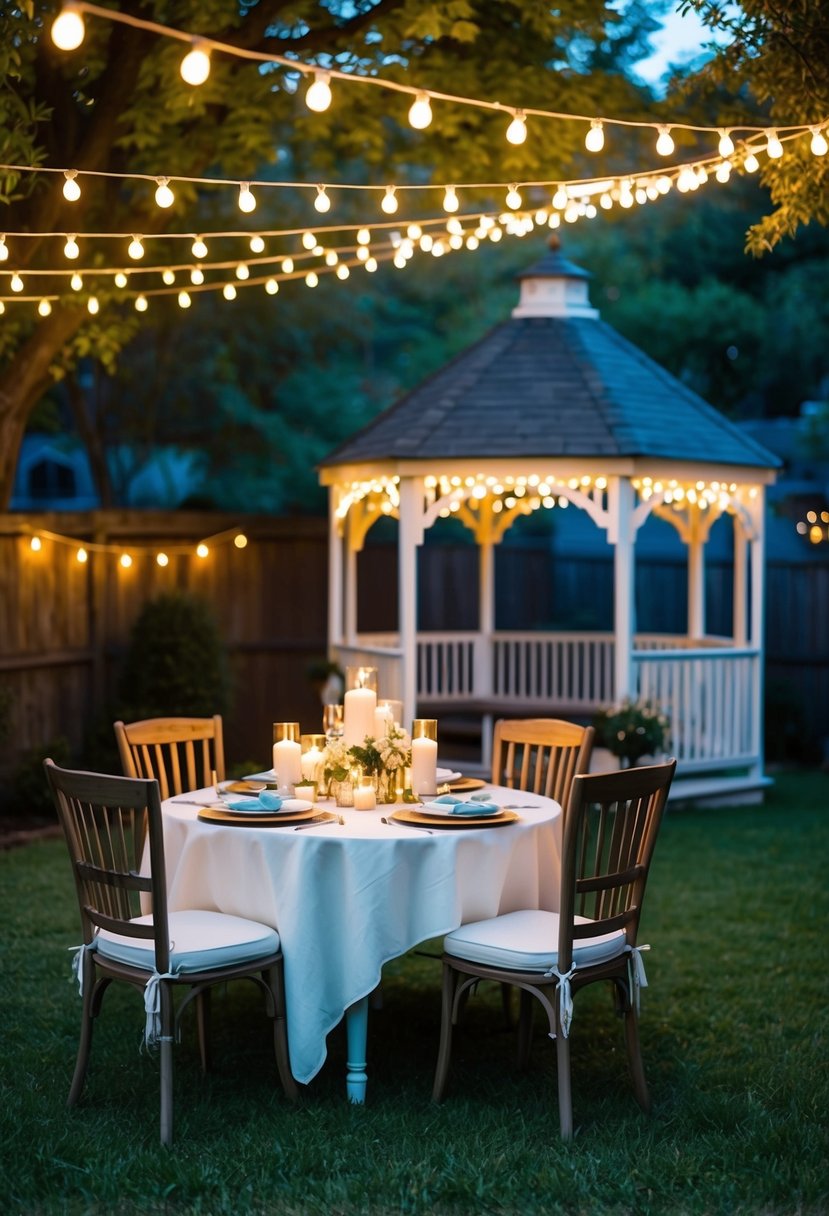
(310, 762)
(382, 721)
(424, 767)
(365, 798)
(287, 761)
(358, 715)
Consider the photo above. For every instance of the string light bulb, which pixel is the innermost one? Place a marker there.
(229, 291)
(197, 276)
(16, 282)
(517, 130)
(726, 144)
(71, 249)
(318, 96)
(257, 245)
(4, 250)
(162, 559)
(82, 556)
(71, 189)
(371, 265)
(594, 139)
(168, 277)
(247, 202)
(125, 561)
(332, 257)
(450, 199)
(35, 544)
(420, 113)
(243, 271)
(164, 196)
(513, 198)
(202, 550)
(120, 279)
(751, 164)
(287, 266)
(92, 306)
(343, 272)
(136, 248)
(44, 308)
(141, 304)
(311, 278)
(389, 203)
(665, 143)
(68, 29)
(818, 144)
(76, 282)
(560, 199)
(195, 66)
(198, 248)
(363, 236)
(271, 287)
(240, 540)
(774, 148)
(184, 300)
(322, 202)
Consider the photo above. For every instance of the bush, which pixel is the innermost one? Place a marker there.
(176, 663)
(29, 789)
(632, 730)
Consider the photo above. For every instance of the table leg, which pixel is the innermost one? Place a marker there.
(356, 1028)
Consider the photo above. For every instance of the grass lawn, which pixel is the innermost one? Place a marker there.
(733, 1034)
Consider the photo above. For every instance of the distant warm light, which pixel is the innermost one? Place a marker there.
(164, 196)
(594, 139)
(162, 559)
(247, 202)
(318, 96)
(271, 287)
(92, 306)
(136, 248)
(120, 279)
(82, 555)
(35, 544)
(229, 291)
(71, 249)
(141, 304)
(71, 189)
(184, 300)
(202, 549)
(257, 245)
(198, 248)
(665, 143)
(420, 112)
(44, 308)
(125, 561)
(240, 540)
(195, 66)
(517, 130)
(68, 29)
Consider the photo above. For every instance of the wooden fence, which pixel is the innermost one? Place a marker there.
(64, 625)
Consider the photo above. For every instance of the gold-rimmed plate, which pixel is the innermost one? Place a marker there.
(261, 819)
(418, 819)
(465, 785)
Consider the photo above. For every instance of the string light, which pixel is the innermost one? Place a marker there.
(247, 202)
(322, 202)
(92, 305)
(16, 282)
(517, 130)
(35, 544)
(774, 148)
(665, 143)
(125, 561)
(197, 276)
(513, 198)
(389, 203)
(168, 278)
(136, 248)
(184, 300)
(202, 550)
(121, 279)
(44, 308)
(195, 66)
(240, 540)
(818, 144)
(420, 113)
(243, 271)
(311, 278)
(726, 144)
(4, 251)
(68, 29)
(162, 559)
(450, 199)
(371, 265)
(229, 291)
(342, 271)
(141, 304)
(287, 265)
(198, 248)
(164, 195)
(751, 164)
(71, 189)
(332, 257)
(71, 249)
(594, 139)
(257, 245)
(82, 556)
(76, 282)
(363, 236)
(318, 96)
(271, 287)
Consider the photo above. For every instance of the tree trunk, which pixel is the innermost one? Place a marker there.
(91, 439)
(24, 381)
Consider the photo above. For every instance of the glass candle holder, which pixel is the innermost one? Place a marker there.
(361, 677)
(359, 704)
(332, 721)
(424, 757)
(395, 708)
(312, 750)
(286, 730)
(287, 753)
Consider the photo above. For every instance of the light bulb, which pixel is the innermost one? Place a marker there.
(818, 145)
(723, 171)
(343, 272)
(184, 300)
(71, 248)
(125, 561)
(141, 304)
(420, 113)
(371, 265)
(16, 282)
(195, 66)
(162, 559)
(389, 203)
(82, 555)
(168, 277)
(663, 184)
(76, 282)
(309, 241)
(44, 308)
(257, 245)
(68, 29)
(774, 148)
(240, 540)
(202, 549)
(665, 144)
(605, 202)
(311, 278)
(472, 242)
(242, 271)
(363, 236)
(271, 287)
(455, 226)
(136, 249)
(517, 130)
(229, 291)
(4, 251)
(198, 248)
(331, 258)
(701, 174)
(751, 164)
(450, 199)
(726, 144)
(71, 189)
(247, 202)
(362, 253)
(426, 242)
(164, 195)
(594, 139)
(287, 266)
(495, 234)
(120, 279)
(322, 202)
(399, 260)
(560, 198)
(513, 198)
(35, 544)
(318, 97)
(93, 307)
(197, 276)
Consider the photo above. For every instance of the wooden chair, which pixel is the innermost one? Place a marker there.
(105, 821)
(180, 753)
(610, 831)
(541, 755)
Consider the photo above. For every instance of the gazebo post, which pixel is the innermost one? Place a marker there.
(621, 535)
(350, 584)
(758, 610)
(696, 576)
(410, 535)
(335, 574)
(740, 593)
(486, 629)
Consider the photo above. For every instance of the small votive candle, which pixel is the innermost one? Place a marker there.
(365, 798)
(306, 790)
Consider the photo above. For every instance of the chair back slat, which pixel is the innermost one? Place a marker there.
(610, 830)
(112, 828)
(180, 753)
(540, 755)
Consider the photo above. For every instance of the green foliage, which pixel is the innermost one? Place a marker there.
(30, 797)
(175, 663)
(632, 730)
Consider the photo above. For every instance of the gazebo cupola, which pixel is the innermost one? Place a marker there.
(554, 407)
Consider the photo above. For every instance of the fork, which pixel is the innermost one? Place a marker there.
(303, 827)
(390, 823)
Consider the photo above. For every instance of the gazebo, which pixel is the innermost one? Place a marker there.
(553, 406)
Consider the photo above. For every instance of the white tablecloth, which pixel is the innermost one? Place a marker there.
(346, 899)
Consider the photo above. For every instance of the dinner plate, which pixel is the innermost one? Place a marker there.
(252, 806)
(268, 776)
(265, 819)
(447, 774)
(469, 809)
(419, 818)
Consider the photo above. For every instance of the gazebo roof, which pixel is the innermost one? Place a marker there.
(552, 381)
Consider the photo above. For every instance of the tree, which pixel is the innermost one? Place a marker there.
(774, 56)
(118, 105)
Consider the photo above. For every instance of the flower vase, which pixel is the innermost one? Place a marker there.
(385, 784)
(343, 792)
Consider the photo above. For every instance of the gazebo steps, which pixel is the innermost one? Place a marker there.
(744, 790)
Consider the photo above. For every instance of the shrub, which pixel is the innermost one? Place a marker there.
(29, 789)
(175, 663)
(632, 730)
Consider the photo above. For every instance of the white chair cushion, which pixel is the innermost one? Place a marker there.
(199, 941)
(527, 941)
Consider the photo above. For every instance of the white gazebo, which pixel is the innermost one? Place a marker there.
(554, 406)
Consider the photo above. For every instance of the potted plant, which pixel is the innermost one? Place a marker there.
(632, 730)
